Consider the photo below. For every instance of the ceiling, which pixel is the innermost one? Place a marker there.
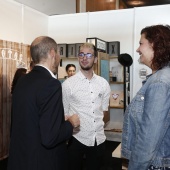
(57, 7)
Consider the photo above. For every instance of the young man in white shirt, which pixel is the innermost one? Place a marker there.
(87, 95)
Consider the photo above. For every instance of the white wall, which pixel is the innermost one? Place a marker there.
(114, 25)
(146, 16)
(21, 24)
(70, 28)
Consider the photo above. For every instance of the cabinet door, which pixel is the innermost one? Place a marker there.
(101, 68)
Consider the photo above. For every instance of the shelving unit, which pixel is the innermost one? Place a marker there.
(113, 129)
(68, 58)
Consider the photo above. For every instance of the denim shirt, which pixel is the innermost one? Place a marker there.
(146, 127)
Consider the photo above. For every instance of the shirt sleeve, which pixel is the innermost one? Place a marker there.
(106, 96)
(66, 92)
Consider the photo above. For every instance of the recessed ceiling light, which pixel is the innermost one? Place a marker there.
(135, 3)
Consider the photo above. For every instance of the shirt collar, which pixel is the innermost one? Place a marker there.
(144, 81)
(52, 74)
(82, 77)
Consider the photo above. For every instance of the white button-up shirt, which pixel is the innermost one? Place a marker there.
(88, 99)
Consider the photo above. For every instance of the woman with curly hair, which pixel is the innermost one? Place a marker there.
(146, 127)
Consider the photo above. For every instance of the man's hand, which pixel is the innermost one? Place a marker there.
(74, 120)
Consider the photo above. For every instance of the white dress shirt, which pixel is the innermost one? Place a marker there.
(88, 99)
(52, 74)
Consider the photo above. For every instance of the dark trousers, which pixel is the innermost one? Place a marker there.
(78, 153)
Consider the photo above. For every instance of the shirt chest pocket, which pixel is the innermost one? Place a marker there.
(138, 103)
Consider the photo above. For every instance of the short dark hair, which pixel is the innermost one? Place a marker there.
(40, 48)
(159, 36)
(70, 65)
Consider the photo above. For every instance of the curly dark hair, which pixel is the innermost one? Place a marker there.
(19, 73)
(159, 36)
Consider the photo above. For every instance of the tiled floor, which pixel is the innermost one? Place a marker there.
(108, 164)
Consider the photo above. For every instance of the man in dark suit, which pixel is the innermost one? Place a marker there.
(39, 130)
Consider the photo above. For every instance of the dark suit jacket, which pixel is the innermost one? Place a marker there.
(39, 130)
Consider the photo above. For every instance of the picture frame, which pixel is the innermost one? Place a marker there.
(114, 48)
(71, 50)
(100, 45)
(117, 98)
(62, 50)
(77, 48)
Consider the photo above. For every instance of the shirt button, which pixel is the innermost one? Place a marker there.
(142, 98)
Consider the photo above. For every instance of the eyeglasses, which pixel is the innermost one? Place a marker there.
(88, 55)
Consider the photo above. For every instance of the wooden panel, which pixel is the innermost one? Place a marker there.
(102, 5)
(77, 6)
(122, 5)
(106, 116)
(90, 5)
(11, 55)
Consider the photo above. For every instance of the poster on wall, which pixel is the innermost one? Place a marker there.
(114, 48)
(62, 49)
(71, 50)
(77, 48)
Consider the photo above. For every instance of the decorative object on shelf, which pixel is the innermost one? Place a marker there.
(117, 73)
(62, 49)
(114, 48)
(77, 48)
(125, 59)
(143, 73)
(101, 45)
(116, 98)
(71, 50)
(114, 79)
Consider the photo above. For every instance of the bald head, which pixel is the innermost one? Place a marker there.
(41, 47)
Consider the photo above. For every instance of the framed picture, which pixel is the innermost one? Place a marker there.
(71, 50)
(114, 48)
(62, 49)
(116, 98)
(101, 45)
(77, 48)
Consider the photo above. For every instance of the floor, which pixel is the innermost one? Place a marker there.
(108, 164)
